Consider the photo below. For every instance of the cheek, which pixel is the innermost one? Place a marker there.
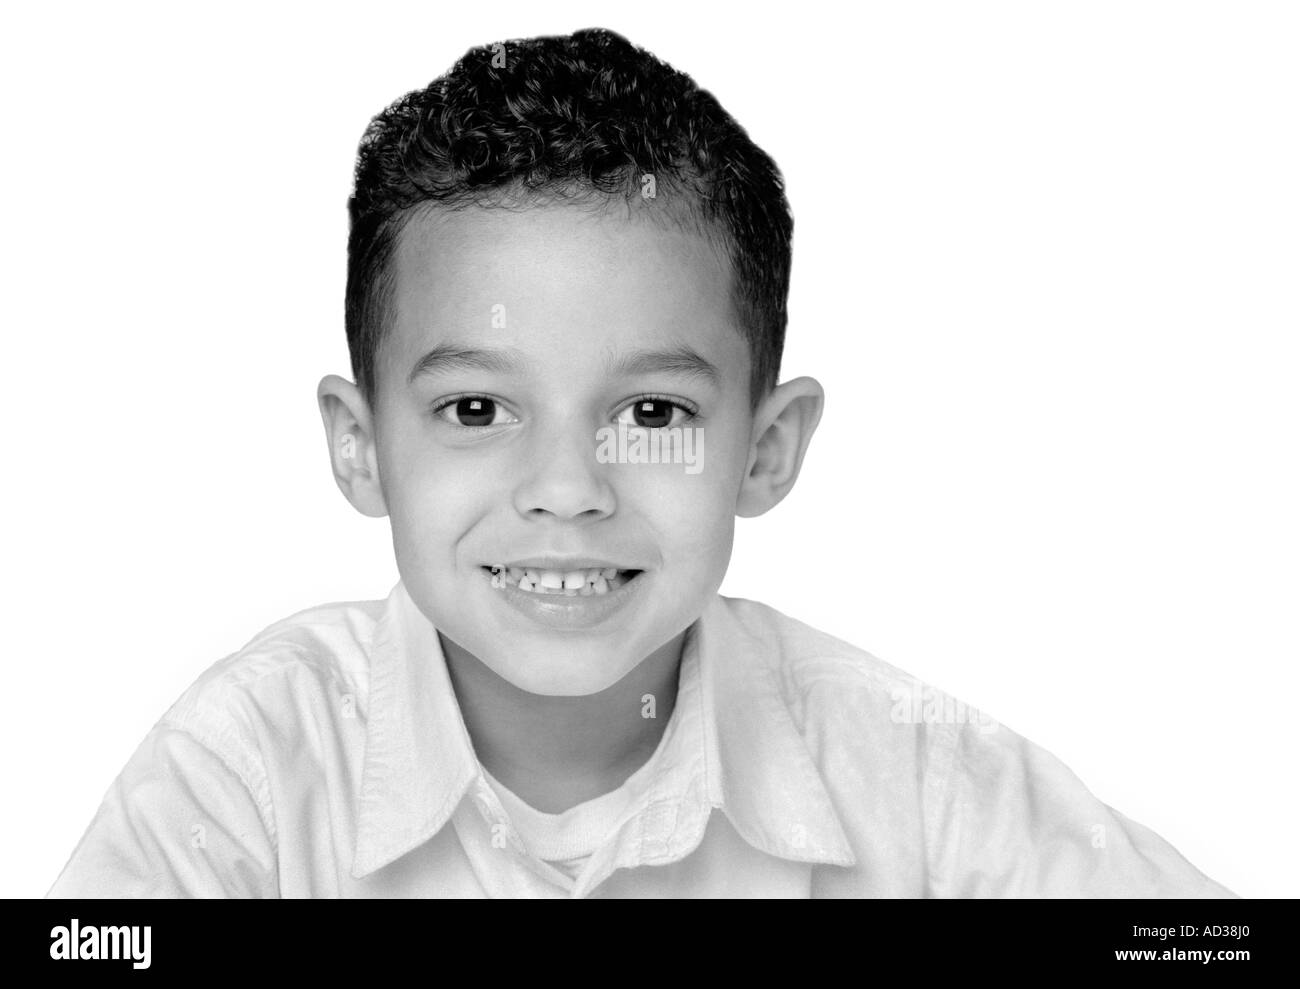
(429, 504)
(692, 516)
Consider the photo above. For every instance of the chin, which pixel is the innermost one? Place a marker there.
(580, 673)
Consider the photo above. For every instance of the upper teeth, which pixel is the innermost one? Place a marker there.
(593, 580)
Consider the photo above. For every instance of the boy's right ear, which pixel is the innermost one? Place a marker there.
(349, 429)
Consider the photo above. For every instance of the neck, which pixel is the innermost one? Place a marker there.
(557, 752)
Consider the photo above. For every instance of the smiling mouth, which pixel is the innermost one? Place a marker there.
(586, 582)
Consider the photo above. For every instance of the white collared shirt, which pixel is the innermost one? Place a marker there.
(329, 758)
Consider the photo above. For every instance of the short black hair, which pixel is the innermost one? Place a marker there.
(581, 117)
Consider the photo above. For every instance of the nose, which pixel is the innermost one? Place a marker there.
(562, 479)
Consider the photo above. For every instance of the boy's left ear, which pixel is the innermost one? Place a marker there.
(783, 426)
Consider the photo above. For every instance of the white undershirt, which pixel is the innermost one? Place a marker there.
(567, 840)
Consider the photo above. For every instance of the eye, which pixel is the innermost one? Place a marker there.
(651, 412)
(472, 410)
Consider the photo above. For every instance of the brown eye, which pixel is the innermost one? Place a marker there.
(470, 411)
(655, 413)
(476, 411)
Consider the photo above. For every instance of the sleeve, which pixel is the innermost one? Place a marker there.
(178, 822)
(1014, 821)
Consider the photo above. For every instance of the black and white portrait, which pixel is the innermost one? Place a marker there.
(570, 451)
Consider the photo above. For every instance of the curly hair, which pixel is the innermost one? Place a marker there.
(577, 118)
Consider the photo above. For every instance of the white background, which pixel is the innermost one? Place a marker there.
(1046, 266)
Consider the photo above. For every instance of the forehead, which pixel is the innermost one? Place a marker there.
(561, 287)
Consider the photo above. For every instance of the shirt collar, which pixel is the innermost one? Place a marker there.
(759, 769)
(419, 760)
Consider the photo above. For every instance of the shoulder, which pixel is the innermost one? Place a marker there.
(865, 723)
(997, 814)
(820, 674)
(806, 655)
(320, 655)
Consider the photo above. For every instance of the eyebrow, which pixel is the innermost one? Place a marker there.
(450, 357)
(682, 361)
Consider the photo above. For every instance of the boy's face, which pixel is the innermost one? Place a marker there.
(556, 320)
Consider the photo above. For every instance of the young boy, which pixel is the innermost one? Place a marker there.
(566, 305)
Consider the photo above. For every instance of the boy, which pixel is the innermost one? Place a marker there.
(567, 271)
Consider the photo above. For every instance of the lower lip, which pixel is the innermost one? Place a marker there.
(562, 611)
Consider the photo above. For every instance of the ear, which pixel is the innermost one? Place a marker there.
(783, 426)
(349, 429)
